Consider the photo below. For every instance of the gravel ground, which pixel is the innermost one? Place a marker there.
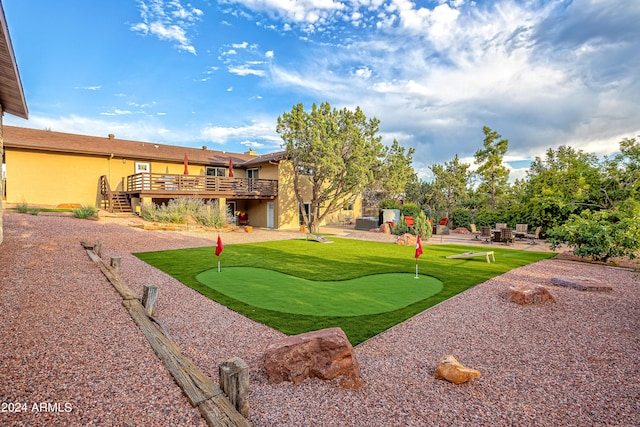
(68, 343)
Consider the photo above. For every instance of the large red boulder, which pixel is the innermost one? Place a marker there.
(325, 354)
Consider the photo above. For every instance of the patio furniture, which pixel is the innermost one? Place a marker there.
(441, 227)
(506, 236)
(243, 218)
(474, 254)
(474, 231)
(500, 226)
(409, 220)
(535, 236)
(485, 233)
(521, 231)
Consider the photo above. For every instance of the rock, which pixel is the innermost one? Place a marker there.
(581, 284)
(407, 240)
(325, 354)
(451, 370)
(461, 230)
(385, 228)
(530, 294)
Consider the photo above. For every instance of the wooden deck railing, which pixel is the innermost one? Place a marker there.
(204, 185)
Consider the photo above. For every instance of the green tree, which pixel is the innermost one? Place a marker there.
(396, 170)
(451, 179)
(493, 174)
(337, 151)
(565, 182)
(622, 174)
(393, 177)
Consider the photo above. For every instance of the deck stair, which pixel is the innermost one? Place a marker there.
(114, 201)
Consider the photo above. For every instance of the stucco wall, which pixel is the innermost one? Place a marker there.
(50, 179)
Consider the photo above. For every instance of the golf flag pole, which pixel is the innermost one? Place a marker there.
(418, 253)
(219, 248)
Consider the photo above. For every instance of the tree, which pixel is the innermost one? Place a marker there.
(396, 170)
(622, 174)
(336, 152)
(451, 180)
(393, 177)
(565, 182)
(493, 174)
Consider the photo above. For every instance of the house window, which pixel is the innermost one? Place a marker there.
(211, 171)
(252, 173)
(143, 167)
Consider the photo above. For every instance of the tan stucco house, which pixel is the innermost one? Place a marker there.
(48, 168)
(12, 99)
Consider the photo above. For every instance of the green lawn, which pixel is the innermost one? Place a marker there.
(298, 285)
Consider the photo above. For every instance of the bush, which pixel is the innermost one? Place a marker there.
(490, 218)
(422, 227)
(599, 235)
(401, 227)
(178, 211)
(85, 212)
(410, 209)
(22, 207)
(389, 204)
(460, 217)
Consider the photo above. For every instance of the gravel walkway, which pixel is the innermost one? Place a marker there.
(73, 356)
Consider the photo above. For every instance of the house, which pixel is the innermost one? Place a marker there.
(12, 99)
(48, 168)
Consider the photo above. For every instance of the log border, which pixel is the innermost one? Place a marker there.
(200, 390)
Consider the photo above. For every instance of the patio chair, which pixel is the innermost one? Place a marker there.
(521, 230)
(535, 236)
(474, 231)
(506, 236)
(500, 226)
(485, 233)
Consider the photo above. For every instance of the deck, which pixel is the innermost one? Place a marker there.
(156, 185)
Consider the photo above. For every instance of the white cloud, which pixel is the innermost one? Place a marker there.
(245, 70)
(257, 130)
(168, 20)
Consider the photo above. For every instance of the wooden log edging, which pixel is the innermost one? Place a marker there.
(200, 390)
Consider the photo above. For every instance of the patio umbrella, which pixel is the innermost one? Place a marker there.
(231, 167)
(186, 165)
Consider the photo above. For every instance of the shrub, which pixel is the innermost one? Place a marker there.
(488, 217)
(410, 209)
(421, 226)
(389, 204)
(85, 212)
(401, 227)
(460, 217)
(599, 235)
(22, 207)
(178, 211)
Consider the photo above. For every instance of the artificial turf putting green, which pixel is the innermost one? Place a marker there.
(343, 260)
(272, 290)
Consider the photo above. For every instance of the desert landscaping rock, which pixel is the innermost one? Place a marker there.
(451, 370)
(325, 354)
(582, 284)
(530, 294)
(67, 338)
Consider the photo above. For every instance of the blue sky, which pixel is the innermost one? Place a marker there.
(542, 73)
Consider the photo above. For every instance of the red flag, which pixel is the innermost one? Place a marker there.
(418, 247)
(219, 246)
